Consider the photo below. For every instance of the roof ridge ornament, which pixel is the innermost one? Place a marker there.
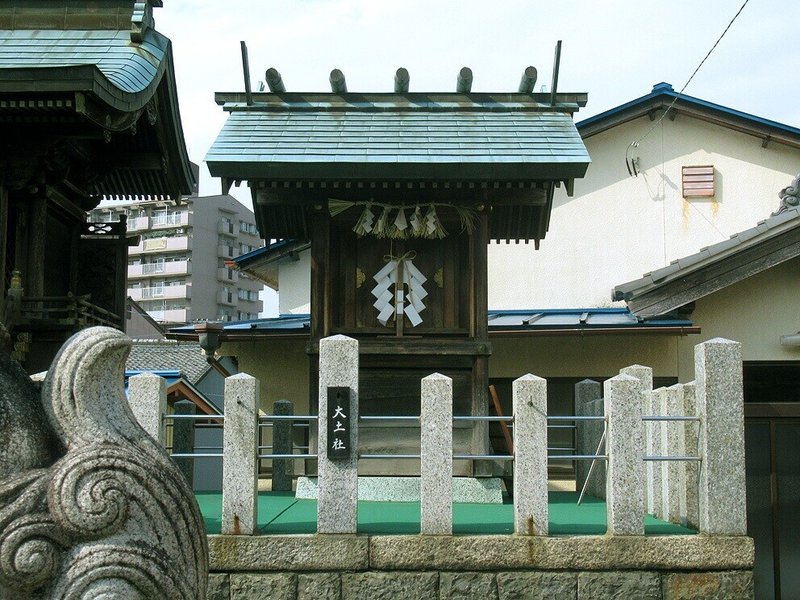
(142, 19)
(790, 196)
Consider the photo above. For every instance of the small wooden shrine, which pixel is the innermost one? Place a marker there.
(399, 194)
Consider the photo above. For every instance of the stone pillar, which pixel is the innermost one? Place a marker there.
(282, 444)
(586, 391)
(436, 455)
(337, 504)
(692, 472)
(655, 447)
(147, 397)
(530, 456)
(625, 447)
(720, 402)
(674, 472)
(597, 482)
(240, 455)
(645, 375)
(183, 438)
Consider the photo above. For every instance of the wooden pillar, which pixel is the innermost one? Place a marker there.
(37, 234)
(480, 331)
(4, 234)
(320, 261)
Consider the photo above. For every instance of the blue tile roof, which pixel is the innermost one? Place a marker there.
(499, 321)
(663, 92)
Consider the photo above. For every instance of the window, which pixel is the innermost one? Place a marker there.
(698, 182)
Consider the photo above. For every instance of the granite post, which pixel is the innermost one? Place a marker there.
(530, 456)
(147, 397)
(183, 438)
(645, 375)
(240, 455)
(337, 504)
(655, 447)
(718, 372)
(692, 472)
(282, 444)
(674, 472)
(625, 447)
(586, 391)
(597, 482)
(436, 455)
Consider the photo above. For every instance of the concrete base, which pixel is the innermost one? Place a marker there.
(406, 489)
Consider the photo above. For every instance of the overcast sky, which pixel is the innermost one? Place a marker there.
(615, 50)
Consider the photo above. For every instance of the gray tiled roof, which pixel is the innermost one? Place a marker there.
(731, 249)
(127, 68)
(454, 135)
(186, 357)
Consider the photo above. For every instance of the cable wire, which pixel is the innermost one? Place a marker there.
(685, 85)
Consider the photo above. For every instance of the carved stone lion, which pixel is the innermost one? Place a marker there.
(90, 505)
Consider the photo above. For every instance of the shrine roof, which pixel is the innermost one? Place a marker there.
(92, 72)
(571, 321)
(399, 136)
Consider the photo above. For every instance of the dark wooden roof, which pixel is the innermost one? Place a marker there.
(94, 86)
(297, 150)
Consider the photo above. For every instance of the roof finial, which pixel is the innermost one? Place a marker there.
(338, 83)
(790, 196)
(464, 81)
(401, 81)
(142, 19)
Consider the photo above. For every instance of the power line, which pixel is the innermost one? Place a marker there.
(685, 85)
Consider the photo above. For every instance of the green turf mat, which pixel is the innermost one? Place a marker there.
(280, 512)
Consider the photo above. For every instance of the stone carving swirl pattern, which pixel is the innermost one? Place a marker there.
(112, 517)
(790, 196)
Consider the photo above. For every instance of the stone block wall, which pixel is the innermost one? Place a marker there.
(350, 567)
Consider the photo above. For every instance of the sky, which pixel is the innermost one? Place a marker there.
(615, 50)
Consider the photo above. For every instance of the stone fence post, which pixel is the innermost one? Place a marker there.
(282, 444)
(147, 397)
(654, 446)
(530, 455)
(436, 455)
(337, 504)
(586, 392)
(240, 455)
(720, 403)
(673, 473)
(183, 438)
(691, 446)
(624, 447)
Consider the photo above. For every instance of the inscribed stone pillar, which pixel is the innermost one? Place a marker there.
(674, 472)
(645, 375)
(337, 505)
(586, 391)
(718, 372)
(240, 451)
(436, 455)
(625, 447)
(147, 397)
(692, 471)
(282, 444)
(530, 455)
(183, 438)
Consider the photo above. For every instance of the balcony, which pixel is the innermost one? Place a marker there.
(175, 315)
(224, 251)
(228, 298)
(226, 228)
(161, 292)
(158, 245)
(226, 274)
(138, 223)
(179, 219)
(176, 267)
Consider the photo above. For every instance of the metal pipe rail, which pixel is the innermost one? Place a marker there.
(195, 417)
(656, 458)
(670, 418)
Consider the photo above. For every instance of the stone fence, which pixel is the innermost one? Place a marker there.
(676, 453)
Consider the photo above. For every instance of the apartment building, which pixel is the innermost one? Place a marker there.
(177, 272)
